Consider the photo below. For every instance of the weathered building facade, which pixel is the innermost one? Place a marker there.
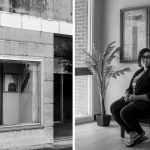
(27, 31)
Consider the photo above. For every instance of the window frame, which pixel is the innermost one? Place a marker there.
(27, 126)
(83, 71)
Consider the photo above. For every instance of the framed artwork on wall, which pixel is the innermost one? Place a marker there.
(11, 82)
(134, 33)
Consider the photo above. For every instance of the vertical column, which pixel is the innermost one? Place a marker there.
(35, 93)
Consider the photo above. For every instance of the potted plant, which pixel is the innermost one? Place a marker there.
(101, 67)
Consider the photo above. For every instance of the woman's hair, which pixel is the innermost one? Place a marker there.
(141, 53)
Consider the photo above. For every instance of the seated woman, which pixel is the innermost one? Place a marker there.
(135, 104)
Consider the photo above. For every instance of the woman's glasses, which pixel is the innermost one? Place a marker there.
(145, 57)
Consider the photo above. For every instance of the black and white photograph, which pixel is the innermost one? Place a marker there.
(11, 83)
(36, 74)
(112, 75)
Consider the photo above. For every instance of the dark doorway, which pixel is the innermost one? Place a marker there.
(62, 87)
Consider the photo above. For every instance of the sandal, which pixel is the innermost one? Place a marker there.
(142, 139)
(138, 138)
(132, 142)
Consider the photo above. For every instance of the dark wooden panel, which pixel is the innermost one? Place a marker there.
(82, 71)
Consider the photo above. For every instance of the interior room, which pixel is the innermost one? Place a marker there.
(103, 23)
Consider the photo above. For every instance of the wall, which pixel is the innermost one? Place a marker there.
(33, 37)
(18, 42)
(111, 32)
(49, 9)
(97, 39)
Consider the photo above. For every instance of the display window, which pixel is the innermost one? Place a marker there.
(21, 92)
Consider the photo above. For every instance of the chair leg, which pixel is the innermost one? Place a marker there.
(122, 132)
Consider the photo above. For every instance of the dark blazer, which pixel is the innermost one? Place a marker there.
(142, 87)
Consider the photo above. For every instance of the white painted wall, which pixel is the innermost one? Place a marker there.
(110, 29)
(97, 32)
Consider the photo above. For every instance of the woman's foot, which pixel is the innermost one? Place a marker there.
(132, 135)
(134, 138)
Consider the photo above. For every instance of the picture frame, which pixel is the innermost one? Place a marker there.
(134, 33)
(11, 83)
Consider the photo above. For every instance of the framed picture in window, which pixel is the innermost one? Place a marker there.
(11, 82)
(134, 33)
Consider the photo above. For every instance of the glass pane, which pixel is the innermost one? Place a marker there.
(81, 96)
(21, 94)
(81, 42)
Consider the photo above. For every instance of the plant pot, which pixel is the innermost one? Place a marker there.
(103, 120)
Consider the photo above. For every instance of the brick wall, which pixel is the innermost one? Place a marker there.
(81, 10)
(81, 24)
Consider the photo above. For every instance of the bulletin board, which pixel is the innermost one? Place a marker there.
(134, 33)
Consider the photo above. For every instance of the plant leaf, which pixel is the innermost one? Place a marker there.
(114, 76)
(108, 48)
(118, 72)
(110, 59)
(112, 56)
(87, 53)
(109, 71)
(122, 72)
(91, 61)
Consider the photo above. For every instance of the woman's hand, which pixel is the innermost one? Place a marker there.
(132, 98)
(126, 96)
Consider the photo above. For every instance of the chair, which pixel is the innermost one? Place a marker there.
(145, 120)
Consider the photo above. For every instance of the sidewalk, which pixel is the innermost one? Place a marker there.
(63, 145)
(69, 148)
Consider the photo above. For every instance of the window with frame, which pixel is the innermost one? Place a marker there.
(21, 91)
(83, 40)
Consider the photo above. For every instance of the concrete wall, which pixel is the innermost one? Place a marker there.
(49, 9)
(17, 42)
(111, 32)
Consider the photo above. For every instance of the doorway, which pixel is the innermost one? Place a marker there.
(62, 87)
